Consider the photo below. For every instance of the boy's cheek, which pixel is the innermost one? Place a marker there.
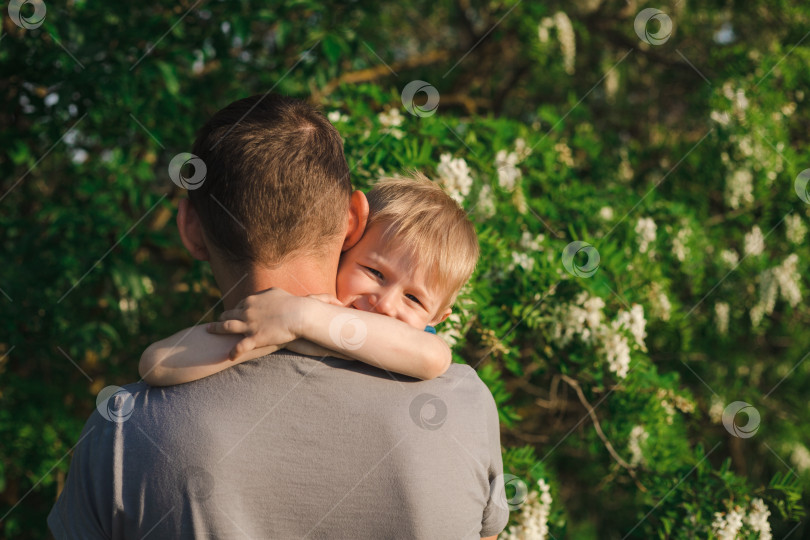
(343, 287)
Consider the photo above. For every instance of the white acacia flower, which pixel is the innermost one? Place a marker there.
(521, 149)
(530, 242)
(645, 228)
(564, 154)
(757, 519)
(659, 302)
(617, 352)
(486, 202)
(800, 457)
(568, 42)
(727, 525)
(788, 278)
(795, 229)
(679, 247)
(542, 29)
(754, 242)
(337, 117)
(637, 437)
(739, 188)
(721, 310)
(635, 322)
(508, 173)
(721, 118)
(523, 260)
(455, 176)
(606, 213)
(519, 200)
(729, 257)
(534, 514)
(782, 280)
(391, 118)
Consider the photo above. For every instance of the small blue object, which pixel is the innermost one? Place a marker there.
(430, 329)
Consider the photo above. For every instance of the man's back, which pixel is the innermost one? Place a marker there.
(291, 447)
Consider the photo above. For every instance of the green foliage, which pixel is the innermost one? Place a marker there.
(703, 137)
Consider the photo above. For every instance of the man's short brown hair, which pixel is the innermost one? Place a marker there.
(277, 181)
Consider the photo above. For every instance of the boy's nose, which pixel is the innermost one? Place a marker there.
(383, 303)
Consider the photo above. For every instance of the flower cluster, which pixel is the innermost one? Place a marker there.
(800, 456)
(679, 247)
(754, 242)
(739, 188)
(583, 318)
(659, 302)
(795, 229)
(645, 228)
(729, 257)
(637, 437)
(721, 310)
(782, 279)
(508, 173)
(565, 33)
(534, 514)
(455, 176)
(729, 525)
(392, 119)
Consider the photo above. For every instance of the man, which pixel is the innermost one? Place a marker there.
(286, 446)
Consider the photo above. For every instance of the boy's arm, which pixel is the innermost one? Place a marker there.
(191, 354)
(372, 338)
(375, 339)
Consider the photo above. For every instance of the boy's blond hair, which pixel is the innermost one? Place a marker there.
(430, 226)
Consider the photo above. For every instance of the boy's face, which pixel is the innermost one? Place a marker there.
(375, 276)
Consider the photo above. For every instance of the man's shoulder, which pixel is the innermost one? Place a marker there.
(465, 380)
(464, 374)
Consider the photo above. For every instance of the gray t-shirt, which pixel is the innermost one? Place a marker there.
(290, 446)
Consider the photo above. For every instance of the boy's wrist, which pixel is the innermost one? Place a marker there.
(302, 309)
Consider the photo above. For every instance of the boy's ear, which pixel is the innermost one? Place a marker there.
(358, 217)
(441, 317)
(191, 231)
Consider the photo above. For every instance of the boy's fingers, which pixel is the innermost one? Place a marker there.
(227, 327)
(326, 298)
(238, 314)
(245, 345)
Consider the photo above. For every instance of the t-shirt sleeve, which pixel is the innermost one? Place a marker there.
(84, 508)
(496, 512)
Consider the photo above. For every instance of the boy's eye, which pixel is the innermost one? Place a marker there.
(412, 298)
(374, 271)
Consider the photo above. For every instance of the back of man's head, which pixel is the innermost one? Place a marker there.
(277, 181)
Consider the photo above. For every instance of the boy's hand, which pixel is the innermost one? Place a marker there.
(272, 317)
(327, 299)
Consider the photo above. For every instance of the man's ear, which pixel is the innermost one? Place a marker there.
(441, 317)
(191, 231)
(358, 217)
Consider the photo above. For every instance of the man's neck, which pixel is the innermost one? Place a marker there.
(300, 277)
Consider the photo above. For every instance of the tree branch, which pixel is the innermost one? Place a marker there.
(595, 419)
